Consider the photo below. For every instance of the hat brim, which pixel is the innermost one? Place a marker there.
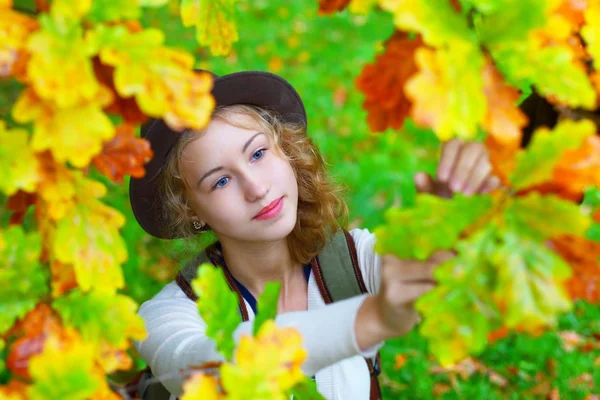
(255, 88)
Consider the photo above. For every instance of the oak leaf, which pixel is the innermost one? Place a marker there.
(124, 155)
(214, 21)
(15, 29)
(19, 167)
(383, 83)
(331, 6)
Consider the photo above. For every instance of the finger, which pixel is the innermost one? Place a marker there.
(441, 256)
(491, 183)
(423, 182)
(415, 271)
(468, 159)
(413, 291)
(450, 153)
(479, 174)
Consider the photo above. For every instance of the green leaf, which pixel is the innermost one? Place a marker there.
(305, 390)
(218, 306)
(508, 20)
(114, 10)
(433, 224)
(537, 163)
(591, 197)
(593, 233)
(458, 313)
(529, 282)
(22, 277)
(101, 315)
(543, 217)
(268, 305)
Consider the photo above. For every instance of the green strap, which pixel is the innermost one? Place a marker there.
(337, 269)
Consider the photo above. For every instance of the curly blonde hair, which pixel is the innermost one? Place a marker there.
(321, 208)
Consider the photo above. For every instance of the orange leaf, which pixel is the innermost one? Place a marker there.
(33, 330)
(573, 10)
(503, 119)
(583, 255)
(383, 83)
(580, 168)
(126, 107)
(503, 157)
(400, 361)
(63, 278)
(331, 6)
(124, 154)
(18, 203)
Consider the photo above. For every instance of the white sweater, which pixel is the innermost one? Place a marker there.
(177, 339)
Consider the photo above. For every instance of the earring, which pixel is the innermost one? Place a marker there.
(197, 225)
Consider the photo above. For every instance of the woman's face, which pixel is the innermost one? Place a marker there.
(238, 184)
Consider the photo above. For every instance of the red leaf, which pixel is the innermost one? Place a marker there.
(124, 155)
(18, 203)
(331, 6)
(383, 83)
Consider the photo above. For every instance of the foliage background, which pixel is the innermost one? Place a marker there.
(322, 56)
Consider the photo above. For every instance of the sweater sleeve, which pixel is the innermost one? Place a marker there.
(177, 335)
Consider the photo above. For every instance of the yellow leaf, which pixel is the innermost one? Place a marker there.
(591, 31)
(161, 79)
(64, 370)
(56, 190)
(214, 23)
(19, 167)
(201, 387)
(87, 236)
(362, 6)
(15, 29)
(447, 92)
(73, 134)
(265, 366)
(60, 69)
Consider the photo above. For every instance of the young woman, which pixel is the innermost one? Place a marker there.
(255, 179)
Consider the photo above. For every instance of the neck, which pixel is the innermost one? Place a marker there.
(255, 264)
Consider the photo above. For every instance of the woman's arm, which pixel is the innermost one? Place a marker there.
(177, 334)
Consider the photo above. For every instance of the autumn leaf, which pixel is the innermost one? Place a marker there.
(19, 167)
(383, 83)
(74, 134)
(503, 120)
(218, 306)
(112, 359)
(31, 333)
(529, 289)
(268, 301)
(447, 92)
(201, 386)
(503, 157)
(537, 163)
(362, 6)
(182, 97)
(331, 6)
(544, 217)
(101, 315)
(438, 22)
(63, 278)
(457, 313)
(56, 190)
(60, 69)
(591, 32)
(88, 238)
(579, 169)
(19, 203)
(583, 256)
(266, 366)
(124, 155)
(418, 233)
(70, 378)
(22, 277)
(214, 21)
(15, 29)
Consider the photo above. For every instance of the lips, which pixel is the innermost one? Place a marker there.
(268, 209)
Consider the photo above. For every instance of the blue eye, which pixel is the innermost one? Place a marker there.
(259, 154)
(221, 182)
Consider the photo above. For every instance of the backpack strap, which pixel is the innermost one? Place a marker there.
(338, 277)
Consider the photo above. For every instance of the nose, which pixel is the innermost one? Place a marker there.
(254, 187)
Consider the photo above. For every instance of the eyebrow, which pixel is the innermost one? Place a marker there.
(212, 171)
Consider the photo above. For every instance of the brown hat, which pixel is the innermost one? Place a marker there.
(255, 88)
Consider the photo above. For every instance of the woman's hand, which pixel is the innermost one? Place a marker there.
(391, 313)
(464, 168)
